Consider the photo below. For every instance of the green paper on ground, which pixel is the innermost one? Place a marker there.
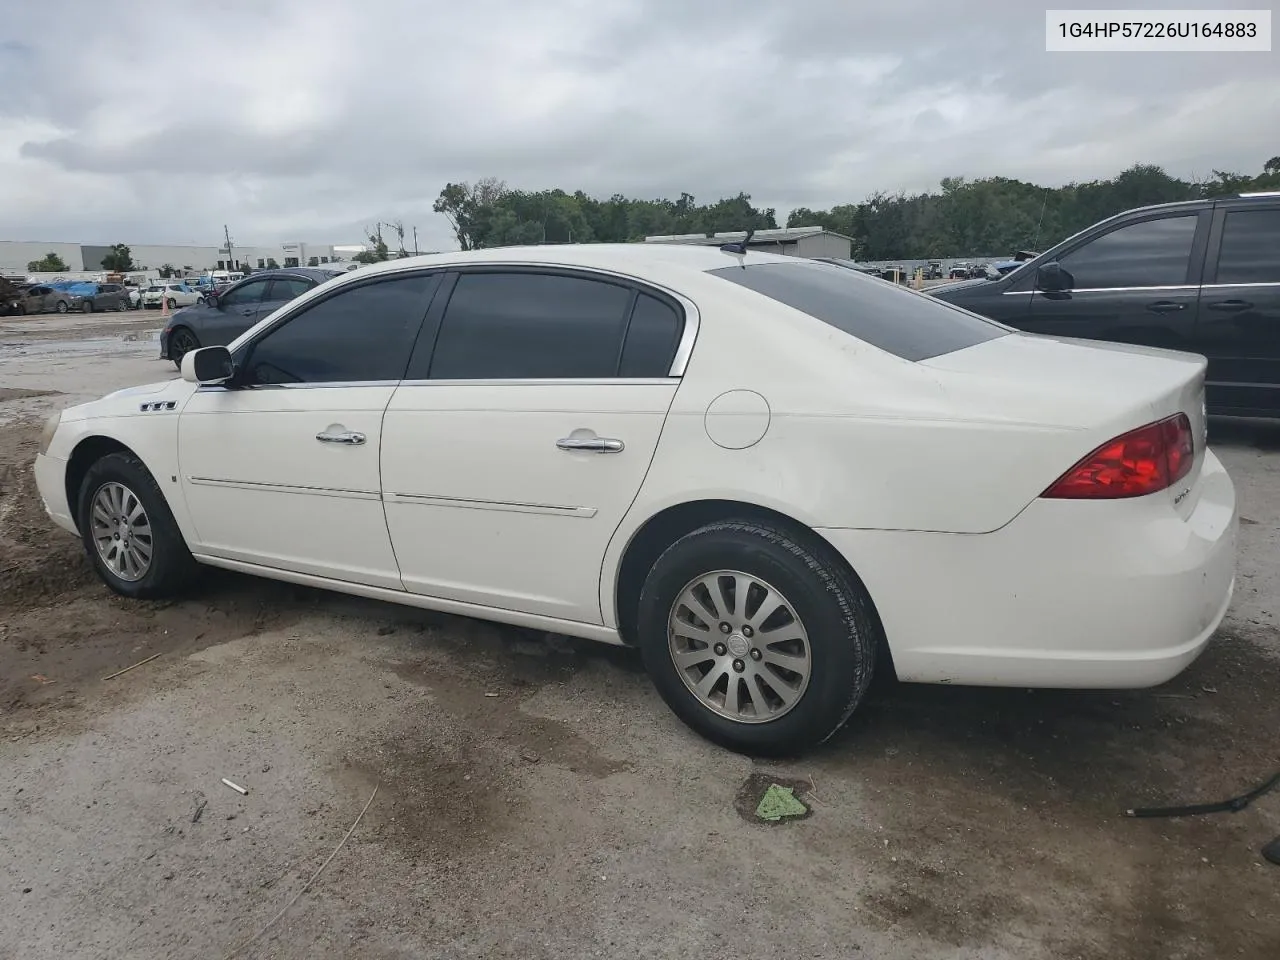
(779, 802)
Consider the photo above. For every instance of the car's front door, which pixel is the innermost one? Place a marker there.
(280, 467)
(515, 446)
(1239, 328)
(1134, 283)
(281, 290)
(236, 311)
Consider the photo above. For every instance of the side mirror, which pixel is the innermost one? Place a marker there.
(208, 365)
(211, 300)
(1052, 278)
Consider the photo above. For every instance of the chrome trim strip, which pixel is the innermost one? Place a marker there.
(286, 488)
(534, 382)
(427, 500)
(1261, 283)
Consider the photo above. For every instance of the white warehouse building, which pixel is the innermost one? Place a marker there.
(15, 255)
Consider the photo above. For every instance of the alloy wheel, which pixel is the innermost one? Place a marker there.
(121, 531)
(739, 647)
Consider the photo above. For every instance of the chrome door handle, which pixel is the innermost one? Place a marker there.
(591, 444)
(349, 437)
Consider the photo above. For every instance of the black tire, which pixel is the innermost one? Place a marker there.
(61, 306)
(87, 306)
(833, 606)
(172, 566)
(172, 303)
(181, 342)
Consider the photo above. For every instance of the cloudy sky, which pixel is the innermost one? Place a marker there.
(306, 119)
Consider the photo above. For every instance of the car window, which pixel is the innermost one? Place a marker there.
(652, 337)
(910, 325)
(362, 333)
(1250, 251)
(286, 288)
(526, 325)
(1151, 253)
(245, 294)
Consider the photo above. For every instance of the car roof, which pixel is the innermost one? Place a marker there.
(625, 258)
(312, 273)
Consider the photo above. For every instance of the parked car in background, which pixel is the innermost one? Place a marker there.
(45, 298)
(91, 297)
(226, 312)
(174, 293)
(755, 468)
(1201, 276)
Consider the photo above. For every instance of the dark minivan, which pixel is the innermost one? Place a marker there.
(1201, 276)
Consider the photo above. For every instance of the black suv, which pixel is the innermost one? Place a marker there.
(1202, 276)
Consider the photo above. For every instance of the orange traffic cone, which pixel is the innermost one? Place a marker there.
(164, 303)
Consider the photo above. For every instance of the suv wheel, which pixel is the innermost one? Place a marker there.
(129, 532)
(758, 641)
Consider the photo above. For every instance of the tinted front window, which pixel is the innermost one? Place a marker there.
(1250, 247)
(652, 338)
(360, 333)
(286, 288)
(245, 294)
(1153, 253)
(511, 326)
(907, 324)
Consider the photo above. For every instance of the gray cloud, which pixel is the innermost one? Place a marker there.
(310, 119)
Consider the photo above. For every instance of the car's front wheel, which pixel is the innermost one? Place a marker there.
(129, 532)
(61, 306)
(756, 637)
(181, 342)
(87, 306)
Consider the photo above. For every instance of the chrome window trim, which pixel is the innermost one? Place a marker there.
(1258, 283)
(1174, 286)
(525, 382)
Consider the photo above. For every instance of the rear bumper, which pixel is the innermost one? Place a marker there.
(51, 473)
(1070, 594)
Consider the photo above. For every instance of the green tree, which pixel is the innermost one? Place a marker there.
(272, 264)
(167, 271)
(49, 263)
(313, 261)
(119, 259)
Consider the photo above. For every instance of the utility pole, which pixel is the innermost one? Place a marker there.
(230, 263)
(415, 241)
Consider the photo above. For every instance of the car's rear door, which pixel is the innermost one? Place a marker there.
(1239, 324)
(522, 433)
(280, 468)
(1135, 282)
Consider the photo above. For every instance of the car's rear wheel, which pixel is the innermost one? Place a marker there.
(122, 306)
(129, 532)
(181, 342)
(172, 303)
(87, 306)
(757, 638)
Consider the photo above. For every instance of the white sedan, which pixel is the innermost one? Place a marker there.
(174, 293)
(772, 476)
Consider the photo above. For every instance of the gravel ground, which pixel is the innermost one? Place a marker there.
(536, 799)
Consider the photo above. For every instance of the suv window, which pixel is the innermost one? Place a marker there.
(1250, 251)
(527, 325)
(286, 288)
(910, 325)
(362, 333)
(1150, 253)
(244, 294)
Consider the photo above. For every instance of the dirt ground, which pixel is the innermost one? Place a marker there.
(535, 799)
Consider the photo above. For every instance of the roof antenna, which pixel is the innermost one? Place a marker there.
(739, 247)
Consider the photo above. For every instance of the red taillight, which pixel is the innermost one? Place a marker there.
(1135, 464)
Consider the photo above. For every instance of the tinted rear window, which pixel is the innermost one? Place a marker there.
(909, 325)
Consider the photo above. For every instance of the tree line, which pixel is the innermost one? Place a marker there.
(990, 216)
